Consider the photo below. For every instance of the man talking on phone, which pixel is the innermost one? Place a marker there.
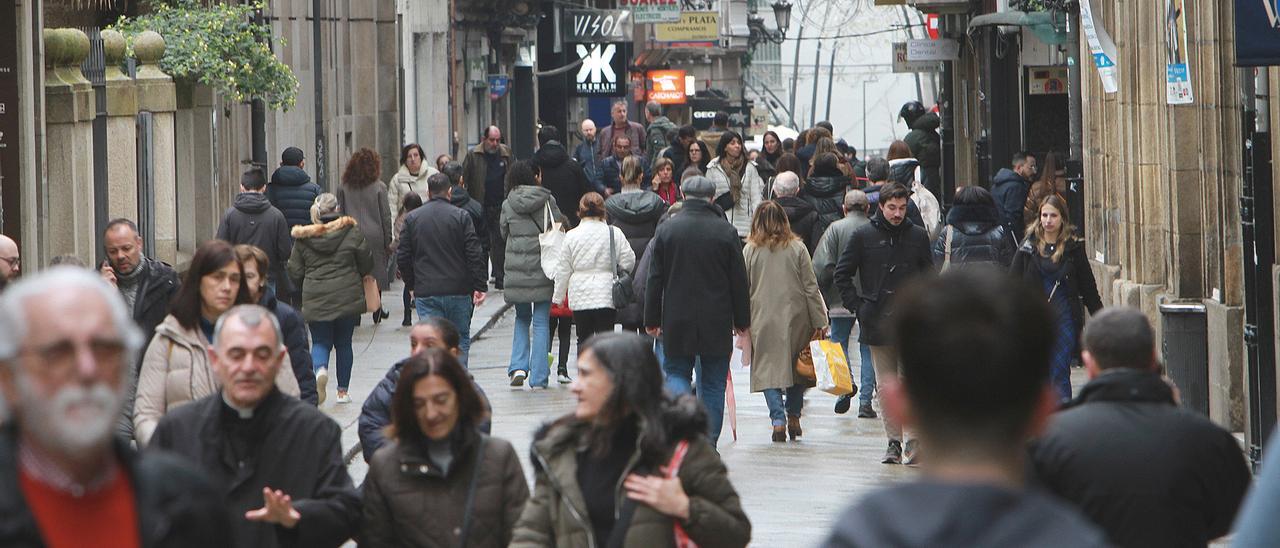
(147, 286)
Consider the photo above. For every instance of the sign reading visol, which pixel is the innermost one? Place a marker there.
(602, 71)
(652, 11)
(597, 26)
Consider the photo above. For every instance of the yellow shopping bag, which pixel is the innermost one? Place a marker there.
(831, 368)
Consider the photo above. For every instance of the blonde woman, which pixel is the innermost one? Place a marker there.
(787, 312)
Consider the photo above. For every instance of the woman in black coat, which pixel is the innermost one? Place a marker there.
(974, 235)
(1053, 258)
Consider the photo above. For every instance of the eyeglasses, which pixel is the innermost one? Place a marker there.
(59, 358)
(14, 262)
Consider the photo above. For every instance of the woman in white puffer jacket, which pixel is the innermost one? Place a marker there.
(586, 270)
(739, 188)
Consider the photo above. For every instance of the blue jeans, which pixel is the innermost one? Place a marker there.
(711, 385)
(533, 362)
(325, 336)
(841, 328)
(455, 308)
(794, 403)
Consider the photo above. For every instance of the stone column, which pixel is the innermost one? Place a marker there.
(158, 95)
(198, 214)
(122, 131)
(69, 114)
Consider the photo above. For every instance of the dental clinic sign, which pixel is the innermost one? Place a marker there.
(602, 71)
(1257, 33)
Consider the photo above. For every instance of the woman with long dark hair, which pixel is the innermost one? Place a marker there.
(439, 466)
(175, 368)
(363, 197)
(697, 159)
(628, 467)
(786, 312)
(1053, 181)
(1053, 257)
(739, 188)
(526, 211)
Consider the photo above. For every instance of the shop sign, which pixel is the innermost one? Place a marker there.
(945, 49)
(602, 71)
(597, 26)
(695, 29)
(499, 84)
(652, 11)
(667, 87)
(901, 64)
(1047, 81)
(1257, 33)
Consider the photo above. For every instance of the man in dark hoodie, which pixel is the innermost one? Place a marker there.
(565, 179)
(461, 200)
(803, 217)
(291, 190)
(925, 143)
(1010, 188)
(656, 133)
(254, 221)
(1148, 472)
(975, 386)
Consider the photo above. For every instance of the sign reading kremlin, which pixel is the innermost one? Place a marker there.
(600, 72)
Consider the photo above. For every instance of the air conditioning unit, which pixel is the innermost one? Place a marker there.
(943, 6)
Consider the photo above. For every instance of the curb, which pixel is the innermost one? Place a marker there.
(351, 453)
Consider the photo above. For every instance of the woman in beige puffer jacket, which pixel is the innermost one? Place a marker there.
(175, 368)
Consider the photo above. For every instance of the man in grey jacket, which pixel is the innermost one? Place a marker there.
(825, 256)
(253, 220)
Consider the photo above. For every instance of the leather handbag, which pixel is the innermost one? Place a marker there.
(372, 295)
(623, 292)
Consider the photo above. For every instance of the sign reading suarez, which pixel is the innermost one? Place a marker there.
(667, 87)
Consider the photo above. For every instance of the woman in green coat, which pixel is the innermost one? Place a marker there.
(330, 260)
(601, 470)
(529, 207)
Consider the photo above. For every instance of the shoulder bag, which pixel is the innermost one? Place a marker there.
(372, 295)
(550, 242)
(468, 507)
(623, 293)
(673, 472)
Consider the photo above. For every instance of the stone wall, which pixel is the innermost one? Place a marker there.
(1164, 181)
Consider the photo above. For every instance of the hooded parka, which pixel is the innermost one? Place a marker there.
(252, 220)
(176, 370)
(333, 258)
(564, 178)
(557, 514)
(523, 219)
(976, 238)
(826, 195)
(636, 213)
(292, 192)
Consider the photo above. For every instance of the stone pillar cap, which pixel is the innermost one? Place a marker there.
(148, 47)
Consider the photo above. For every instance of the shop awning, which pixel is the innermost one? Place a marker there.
(1044, 24)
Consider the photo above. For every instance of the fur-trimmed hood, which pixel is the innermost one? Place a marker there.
(314, 230)
(682, 419)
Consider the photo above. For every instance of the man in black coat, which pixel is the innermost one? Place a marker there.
(804, 219)
(1147, 471)
(66, 346)
(697, 296)
(563, 177)
(375, 414)
(278, 459)
(1010, 187)
(440, 257)
(460, 199)
(254, 221)
(291, 190)
(147, 286)
(884, 254)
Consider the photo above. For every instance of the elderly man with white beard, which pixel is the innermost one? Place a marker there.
(278, 459)
(67, 346)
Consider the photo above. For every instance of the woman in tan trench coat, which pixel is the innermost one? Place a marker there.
(786, 312)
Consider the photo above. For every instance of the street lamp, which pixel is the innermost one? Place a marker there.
(761, 34)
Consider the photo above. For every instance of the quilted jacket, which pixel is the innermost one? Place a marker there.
(585, 273)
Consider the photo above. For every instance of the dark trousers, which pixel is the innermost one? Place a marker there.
(596, 320)
(497, 245)
(563, 329)
(408, 304)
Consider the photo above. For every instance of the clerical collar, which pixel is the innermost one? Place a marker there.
(40, 469)
(242, 412)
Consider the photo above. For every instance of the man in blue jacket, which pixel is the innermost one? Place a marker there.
(1010, 188)
(585, 154)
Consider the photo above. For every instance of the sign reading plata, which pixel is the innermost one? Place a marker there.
(597, 25)
(652, 11)
(601, 72)
(699, 29)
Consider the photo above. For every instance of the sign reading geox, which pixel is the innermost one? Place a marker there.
(1257, 33)
(602, 72)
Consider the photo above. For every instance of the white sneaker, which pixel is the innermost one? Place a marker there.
(517, 378)
(322, 379)
(344, 397)
(563, 378)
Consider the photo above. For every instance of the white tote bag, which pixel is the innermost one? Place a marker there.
(551, 242)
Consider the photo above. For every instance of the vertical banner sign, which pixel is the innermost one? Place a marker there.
(1257, 33)
(1101, 47)
(10, 176)
(1177, 75)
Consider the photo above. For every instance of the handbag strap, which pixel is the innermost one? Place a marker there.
(471, 493)
(613, 251)
(946, 262)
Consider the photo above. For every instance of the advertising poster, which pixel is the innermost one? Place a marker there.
(1177, 75)
(1101, 48)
